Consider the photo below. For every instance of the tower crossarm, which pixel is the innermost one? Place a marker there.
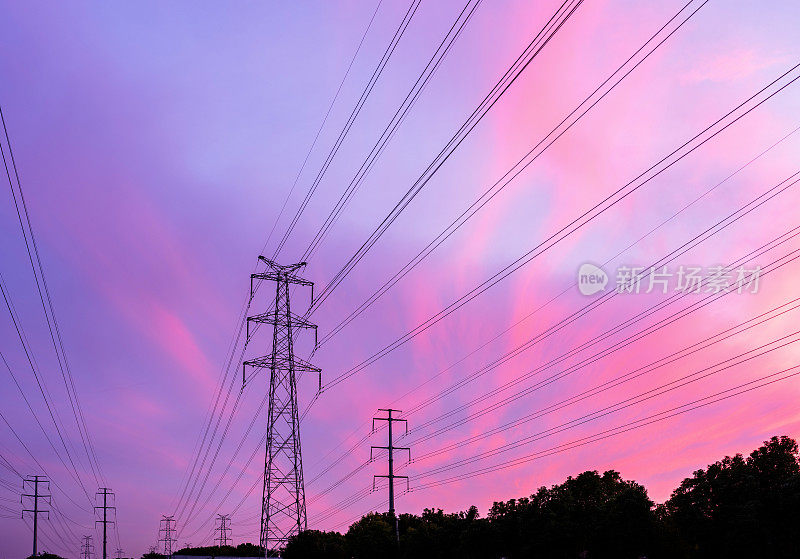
(296, 363)
(372, 448)
(280, 276)
(391, 477)
(296, 320)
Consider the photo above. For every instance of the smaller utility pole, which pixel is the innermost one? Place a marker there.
(87, 547)
(36, 495)
(223, 527)
(391, 448)
(167, 530)
(106, 493)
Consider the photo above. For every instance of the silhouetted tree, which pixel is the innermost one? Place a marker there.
(372, 537)
(586, 516)
(436, 534)
(241, 550)
(740, 507)
(313, 544)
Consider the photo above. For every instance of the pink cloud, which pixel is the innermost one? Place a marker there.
(732, 66)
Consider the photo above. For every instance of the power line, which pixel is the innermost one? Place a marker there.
(670, 257)
(623, 404)
(213, 460)
(390, 49)
(411, 97)
(332, 463)
(42, 389)
(321, 126)
(773, 266)
(231, 488)
(672, 412)
(627, 377)
(48, 309)
(542, 38)
(22, 443)
(412, 9)
(579, 222)
(737, 390)
(520, 166)
(59, 545)
(181, 504)
(228, 466)
(607, 261)
(245, 308)
(590, 306)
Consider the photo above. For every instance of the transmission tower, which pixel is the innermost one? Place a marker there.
(283, 503)
(105, 492)
(391, 475)
(223, 528)
(119, 553)
(167, 527)
(34, 481)
(87, 547)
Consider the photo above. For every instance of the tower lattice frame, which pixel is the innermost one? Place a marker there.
(283, 504)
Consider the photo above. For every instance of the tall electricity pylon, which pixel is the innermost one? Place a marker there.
(34, 481)
(168, 530)
(223, 528)
(391, 475)
(283, 502)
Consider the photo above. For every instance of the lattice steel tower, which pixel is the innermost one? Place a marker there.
(87, 548)
(283, 502)
(224, 529)
(168, 530)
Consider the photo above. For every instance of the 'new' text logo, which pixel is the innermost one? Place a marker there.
(591, 279)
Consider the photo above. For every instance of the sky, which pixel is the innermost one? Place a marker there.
(156, 145)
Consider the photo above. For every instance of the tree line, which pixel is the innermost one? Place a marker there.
(738, 507)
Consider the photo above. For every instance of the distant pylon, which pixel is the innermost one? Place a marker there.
(391, 475)
(119, 553)
(168, 529)
(223, 528)
(105, 507)
(87, 548)
(34, 481)
(283, 503)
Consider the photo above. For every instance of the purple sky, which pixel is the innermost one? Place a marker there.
(156, 143)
